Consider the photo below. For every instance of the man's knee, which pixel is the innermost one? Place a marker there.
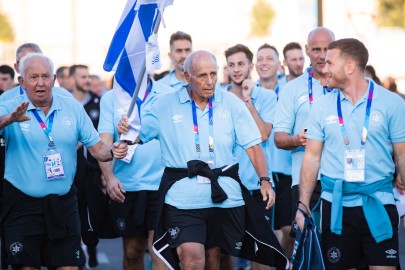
(212, 258)
(134, 248)
(192, 255)
(286, 230)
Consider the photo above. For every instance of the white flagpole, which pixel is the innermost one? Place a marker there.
(139, 83)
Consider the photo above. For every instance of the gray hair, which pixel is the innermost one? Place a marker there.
(188, 63)
(29, 56)
(31, 46)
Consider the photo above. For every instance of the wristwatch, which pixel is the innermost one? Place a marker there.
(265, 178)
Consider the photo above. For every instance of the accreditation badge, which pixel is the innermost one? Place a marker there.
(355, 161)
(53, 164)
(130, 153)
(203, 179)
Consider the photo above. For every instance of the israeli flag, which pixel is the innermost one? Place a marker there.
(127, 54)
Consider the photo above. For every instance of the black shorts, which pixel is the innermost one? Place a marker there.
(211, 227)
(356, 246)
(137, 215)
(26, 232)
(268, 213)
(316, 194)
(283, 206)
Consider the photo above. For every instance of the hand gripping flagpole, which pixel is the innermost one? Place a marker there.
(138, 83)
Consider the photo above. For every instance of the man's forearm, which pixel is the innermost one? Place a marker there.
(264, 127)
(101, 151)
(308, 179)
(5, 121)
(258, 160)
(399, 149)
(285, 141)
(105, 168)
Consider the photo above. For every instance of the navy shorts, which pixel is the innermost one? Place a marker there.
(26, 231)
(268, 213)
(211, 227)
(283, 206)
(137, 215)
(356, 246)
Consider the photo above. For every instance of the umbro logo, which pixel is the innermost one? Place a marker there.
(238, 245)
(177, 118)
(391, 253)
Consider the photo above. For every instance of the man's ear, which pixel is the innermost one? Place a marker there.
(21, 81)
(350, 67)
(187, 77)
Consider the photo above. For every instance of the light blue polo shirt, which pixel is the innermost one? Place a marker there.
(16, 91)
(170, 120)
(172, 81)
(281, 161)
(386, 126)
(26, 143)
(145, 170)
(292, 114)
(265, 103)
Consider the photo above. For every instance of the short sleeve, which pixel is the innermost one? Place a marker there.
(285, 115)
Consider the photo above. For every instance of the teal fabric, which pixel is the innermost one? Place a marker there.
(374, 211)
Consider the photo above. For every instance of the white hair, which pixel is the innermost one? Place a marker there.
(23, 62)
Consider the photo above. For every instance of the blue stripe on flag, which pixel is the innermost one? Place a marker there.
(120, 38)
(146, 15)
(124, 75)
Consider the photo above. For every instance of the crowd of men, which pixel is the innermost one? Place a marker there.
(212, 171)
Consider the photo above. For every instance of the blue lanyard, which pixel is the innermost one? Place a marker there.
(46, 129)
(140, 101)
(277, 89)
(21, 90)
(366, 119)
(310, 91)
(326, 89)
(310, 94)
(211, 129)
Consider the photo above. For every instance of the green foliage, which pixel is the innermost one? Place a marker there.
(6, 30)
(391, 13)
(262, 16)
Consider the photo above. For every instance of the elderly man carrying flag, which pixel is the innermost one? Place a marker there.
(133, 182)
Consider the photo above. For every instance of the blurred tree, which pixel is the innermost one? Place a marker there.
(262, 15)
(6, 30)
(390, 13)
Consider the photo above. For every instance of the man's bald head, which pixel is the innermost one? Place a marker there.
(320, 31)
(194, 57)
